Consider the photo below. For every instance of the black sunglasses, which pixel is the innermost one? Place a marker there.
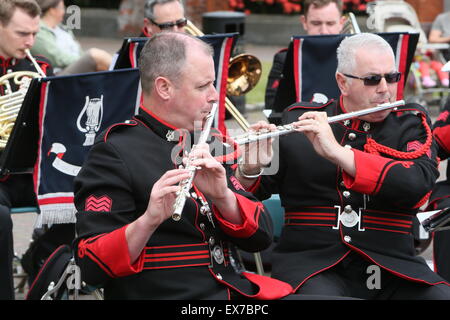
(375, 79)
(169, 25)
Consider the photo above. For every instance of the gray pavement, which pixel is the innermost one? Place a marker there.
(24, 223)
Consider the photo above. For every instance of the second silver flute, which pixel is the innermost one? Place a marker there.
(186, 184)
(289, 128)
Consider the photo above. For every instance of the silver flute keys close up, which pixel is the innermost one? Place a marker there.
(289, 128)
(186, 184)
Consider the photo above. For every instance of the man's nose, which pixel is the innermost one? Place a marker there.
(382, 86)
(29, 40)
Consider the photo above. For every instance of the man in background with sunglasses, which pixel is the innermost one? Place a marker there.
(160, 15)
(351, 189)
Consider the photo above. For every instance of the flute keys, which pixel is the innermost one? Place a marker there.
(366, 126)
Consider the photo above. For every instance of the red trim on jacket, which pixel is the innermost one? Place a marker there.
(441, 134)
(269, 288)
(146, 110)
(110, 252)
(370, 172)
(250, 212)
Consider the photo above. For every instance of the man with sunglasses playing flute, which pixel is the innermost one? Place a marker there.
(350, 189)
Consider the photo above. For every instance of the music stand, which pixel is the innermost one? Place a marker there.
(435, 220)
(124, 57)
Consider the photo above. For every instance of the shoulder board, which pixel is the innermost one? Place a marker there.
(117, 126)
(309, 105)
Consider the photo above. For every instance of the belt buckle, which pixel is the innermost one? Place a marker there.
(349, 218)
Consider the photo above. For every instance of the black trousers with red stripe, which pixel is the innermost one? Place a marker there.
(358, 278)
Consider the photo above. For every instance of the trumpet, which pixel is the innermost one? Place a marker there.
(289, 128)
(186, 184)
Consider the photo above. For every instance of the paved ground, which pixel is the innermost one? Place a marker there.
(23, 223)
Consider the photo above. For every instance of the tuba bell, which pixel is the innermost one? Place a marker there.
(11, 101)
(243, 74)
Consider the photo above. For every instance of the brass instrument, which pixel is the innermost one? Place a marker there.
(244, 73)
(11, 101)
(350, 25)
(289, 128)
(186, 184)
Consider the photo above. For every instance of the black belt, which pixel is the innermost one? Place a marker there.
(365, 219)
(186, 255)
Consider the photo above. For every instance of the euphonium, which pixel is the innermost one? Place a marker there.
(11, 101)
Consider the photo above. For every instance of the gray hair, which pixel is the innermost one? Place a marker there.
(346, 51)
(149, 12)
(164, 54)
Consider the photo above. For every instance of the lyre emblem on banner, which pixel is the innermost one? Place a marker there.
(93, 111)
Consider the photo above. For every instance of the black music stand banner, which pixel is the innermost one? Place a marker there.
(223, 45)
(73, 110)
(309, 71)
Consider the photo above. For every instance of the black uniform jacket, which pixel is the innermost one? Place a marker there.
(187, 259)
(376, 207)
(440, 198)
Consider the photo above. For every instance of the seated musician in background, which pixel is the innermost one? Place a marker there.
(19, 23)
(351, 189)
(160, 15)
(440, 198)
(57, 43)
(125, 199)
(319, 17)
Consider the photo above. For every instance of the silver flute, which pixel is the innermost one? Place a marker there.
(289, 128)
(186, 184)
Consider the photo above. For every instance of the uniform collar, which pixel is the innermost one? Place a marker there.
(161, 128)
(354, 124)
(6, 62)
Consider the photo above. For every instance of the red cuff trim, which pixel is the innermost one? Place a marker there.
(110, 252)
(249, 210)
(269, 288)
(370, 173)
(441, 134)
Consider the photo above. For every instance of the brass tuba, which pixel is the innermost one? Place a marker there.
(243, 74)
(11, 101)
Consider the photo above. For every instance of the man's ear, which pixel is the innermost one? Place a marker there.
(147, 27)
(342, 83)
(303, 21)
(163, 87)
